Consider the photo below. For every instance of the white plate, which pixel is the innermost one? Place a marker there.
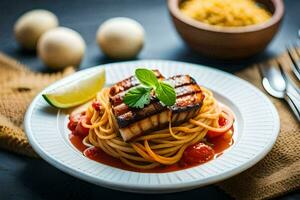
(257, 127)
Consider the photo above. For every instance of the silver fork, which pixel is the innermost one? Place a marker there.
(276, 84)
(295, 62)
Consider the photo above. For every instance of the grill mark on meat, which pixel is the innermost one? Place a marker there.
(184, 98)
(180, 80)
(133, 122)
(177, 81)
(129, 83)
(186, 90)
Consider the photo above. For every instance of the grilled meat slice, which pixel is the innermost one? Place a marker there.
(118, 90)
(133, 122)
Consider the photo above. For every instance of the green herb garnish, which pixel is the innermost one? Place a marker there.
(139, 96)
(146, 77)
(166, 93)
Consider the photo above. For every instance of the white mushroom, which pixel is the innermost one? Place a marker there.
(61, 47)
(120, 37)
(31, 25)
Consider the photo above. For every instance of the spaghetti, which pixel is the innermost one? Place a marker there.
(162, 147)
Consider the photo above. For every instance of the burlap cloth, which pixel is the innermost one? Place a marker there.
(277, 174)
(18, 86)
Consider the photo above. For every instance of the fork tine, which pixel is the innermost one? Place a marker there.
(288, 79)
(295, 64)
(296, 47)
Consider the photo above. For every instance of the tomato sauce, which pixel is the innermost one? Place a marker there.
(219, 145)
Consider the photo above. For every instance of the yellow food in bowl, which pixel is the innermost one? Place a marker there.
(228, 13)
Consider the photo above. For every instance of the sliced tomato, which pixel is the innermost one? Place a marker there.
(197, 153)
(73, 121)
(80, 129)
(96, 105)
(76, 124)
(91, 152)
(222, 122)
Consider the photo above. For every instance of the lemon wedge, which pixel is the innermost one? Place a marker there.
(77, 92)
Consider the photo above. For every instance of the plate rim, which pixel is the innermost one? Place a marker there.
(150, 188)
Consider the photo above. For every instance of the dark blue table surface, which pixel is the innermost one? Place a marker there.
(26, 178)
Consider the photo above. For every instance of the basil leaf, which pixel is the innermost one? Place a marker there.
(166, 93)
(137, 97)
(146, 77)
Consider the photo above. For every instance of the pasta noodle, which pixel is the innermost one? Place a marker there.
(162, 147)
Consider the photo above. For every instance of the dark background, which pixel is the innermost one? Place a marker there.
(25, 178)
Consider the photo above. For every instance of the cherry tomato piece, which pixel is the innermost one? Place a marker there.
(76, 124)
(96, 105)
(73, 121)
(222, 122)
(80, 129)
(198, 153)
(90, 152)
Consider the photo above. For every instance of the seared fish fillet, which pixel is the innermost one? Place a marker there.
(133, 122)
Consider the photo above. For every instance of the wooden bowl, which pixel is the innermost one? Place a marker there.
(227, 42)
